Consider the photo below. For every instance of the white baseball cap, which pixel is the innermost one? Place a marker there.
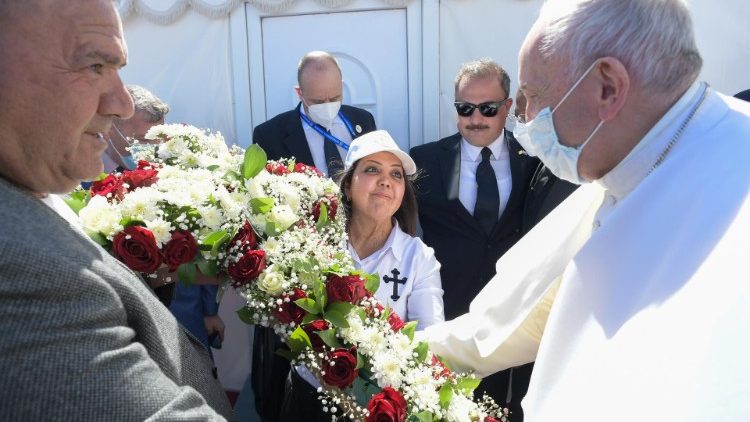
(377, 141)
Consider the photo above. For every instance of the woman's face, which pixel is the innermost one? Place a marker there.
(377, 187)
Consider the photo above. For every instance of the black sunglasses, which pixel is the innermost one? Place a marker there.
(488, 109)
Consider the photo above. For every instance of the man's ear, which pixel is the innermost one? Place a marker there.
(614, 87)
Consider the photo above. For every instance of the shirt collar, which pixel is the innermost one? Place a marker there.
(395, 242)
(474, 153)
(626, 175)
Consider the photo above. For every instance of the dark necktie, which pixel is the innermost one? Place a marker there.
(488, 195)
(333, 158)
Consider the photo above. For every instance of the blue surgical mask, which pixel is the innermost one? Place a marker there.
(539, 138)
(127, 160)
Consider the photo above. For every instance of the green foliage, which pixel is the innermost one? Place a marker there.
(310, 305)
(329, 338)
(409, 328)
(323, 216)
(245, 315)
(214, 241)
(423, 416)
(299, 340)
(254, 162)
(467, 385)
(446, 395)
(186, 273)
(372, 282)
(421, 351)
(77, 200)
(261, 205)
(363, 390)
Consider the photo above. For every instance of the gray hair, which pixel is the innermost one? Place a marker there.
(481, 68)
(319, 60)
(652, 38)
(148, 103)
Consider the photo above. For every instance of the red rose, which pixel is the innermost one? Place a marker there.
(388, 406)
(248, 268)
(350, 288)
(244, 239)
(136, 247)
(304, 168)
(311, 328)
(490, 419)
(277, 169)
(395, 321)
(110, 187)
(331, 202)
(340, 368)
(144, 175)
(289, 312)
(181, 249)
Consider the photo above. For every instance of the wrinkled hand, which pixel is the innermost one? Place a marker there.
(214, 324)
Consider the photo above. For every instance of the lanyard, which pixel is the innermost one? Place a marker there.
(328, 135)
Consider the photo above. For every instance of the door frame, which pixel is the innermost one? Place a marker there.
(423, 64)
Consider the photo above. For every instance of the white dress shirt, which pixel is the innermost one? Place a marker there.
(315, 140)
(420, 298)
(471, 156)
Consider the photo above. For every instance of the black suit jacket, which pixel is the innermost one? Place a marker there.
(284, 137)
(466, 253)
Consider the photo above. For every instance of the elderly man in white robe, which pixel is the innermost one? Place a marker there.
(633, 296)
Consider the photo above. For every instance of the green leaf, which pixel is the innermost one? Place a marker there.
(446, 395)
(99, 238)
(77, 200)
(287, 354)
(308, 304)
(409, 328)
(361, 359)
(309, 318)
(255, 161)
(246, 315)
(421, 351)
(340, 307)
(212, 167)
(329, 338)
(299, 340)
(323, 216)
(215, 238)
(261, 205)
(186, 273)
(467, 385)
(272, 229)
(233, 175)
(337, 319)
(208, 268)
(319, 290)
(423, 416)
(127, 222)
(363, 390)
(372, 282)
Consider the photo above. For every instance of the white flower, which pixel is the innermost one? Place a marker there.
(212, 217)
(99, 216)
(161, 229)
(271, 281)
(282, 216)
(290, 195)
(461, 409)
(387, 369)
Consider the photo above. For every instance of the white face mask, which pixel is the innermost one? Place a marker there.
(539, 139)
(324, 114)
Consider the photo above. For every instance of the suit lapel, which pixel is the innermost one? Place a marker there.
(295, 140)
(519, 171)
(450, 168)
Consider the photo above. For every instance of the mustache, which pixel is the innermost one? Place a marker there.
(477, 127)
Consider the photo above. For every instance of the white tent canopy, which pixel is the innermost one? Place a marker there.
(205, 56)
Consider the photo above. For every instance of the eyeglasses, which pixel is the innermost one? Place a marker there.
(488, 109)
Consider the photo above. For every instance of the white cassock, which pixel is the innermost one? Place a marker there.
(642, 281)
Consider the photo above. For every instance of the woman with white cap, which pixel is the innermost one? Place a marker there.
(381, 209)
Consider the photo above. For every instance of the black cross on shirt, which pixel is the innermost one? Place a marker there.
(396, 281)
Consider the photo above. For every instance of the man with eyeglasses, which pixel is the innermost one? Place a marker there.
(149, 111)
(472, 200)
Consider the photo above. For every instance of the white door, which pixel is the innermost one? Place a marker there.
(371, 49)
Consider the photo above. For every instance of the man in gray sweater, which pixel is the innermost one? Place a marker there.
(81, 336)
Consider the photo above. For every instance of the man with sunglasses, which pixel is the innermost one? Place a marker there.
(472, 199)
